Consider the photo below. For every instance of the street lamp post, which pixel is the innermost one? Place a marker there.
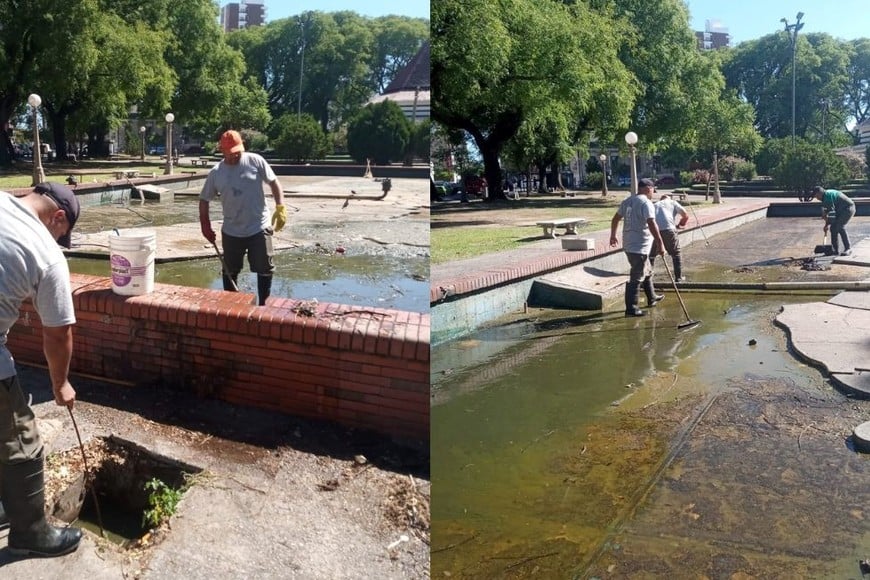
(34, 101)
(631, 139)
(169, 119)
(792, 31)
(142, 154)
(603, 159)
(301, 70)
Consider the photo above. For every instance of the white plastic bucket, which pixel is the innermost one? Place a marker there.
(131, 257)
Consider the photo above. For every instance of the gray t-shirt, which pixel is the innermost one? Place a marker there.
(636, 237)
(33, 266)
(667, 210)
(241, 193)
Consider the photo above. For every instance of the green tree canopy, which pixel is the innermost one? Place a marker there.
(379, 132)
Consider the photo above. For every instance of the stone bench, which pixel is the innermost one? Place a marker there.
(202, 161)
(570, 225)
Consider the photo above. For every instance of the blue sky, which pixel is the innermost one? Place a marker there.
(750, 19)
(276, 9)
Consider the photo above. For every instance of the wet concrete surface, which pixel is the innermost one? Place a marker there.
(587, 445)
(374, 252)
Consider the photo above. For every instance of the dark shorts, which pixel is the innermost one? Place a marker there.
(258, 248)
(18, 433)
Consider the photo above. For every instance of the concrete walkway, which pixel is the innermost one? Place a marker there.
(833, 335)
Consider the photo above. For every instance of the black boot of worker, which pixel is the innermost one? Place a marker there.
(264, 288)
(230, 283)
(4, 521)
(651, 297)
(678, 268)
(631, 309)
(23, 495)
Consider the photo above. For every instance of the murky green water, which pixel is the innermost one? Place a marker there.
(362, 280)
(599, 446)
(370, 279)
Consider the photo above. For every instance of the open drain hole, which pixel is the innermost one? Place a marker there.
(137, 490)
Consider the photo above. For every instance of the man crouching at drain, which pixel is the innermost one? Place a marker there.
(32, 266)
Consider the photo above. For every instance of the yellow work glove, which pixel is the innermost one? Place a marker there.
(279, 218)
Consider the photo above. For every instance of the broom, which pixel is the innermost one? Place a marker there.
(824, 248)
(689, 322)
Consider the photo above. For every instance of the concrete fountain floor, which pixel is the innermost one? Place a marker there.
(596, 446)
(398, 223)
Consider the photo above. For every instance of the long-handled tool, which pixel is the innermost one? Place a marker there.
(689, 322)
(224, 266)
(70, 503)
(706, 241)
(825, 248)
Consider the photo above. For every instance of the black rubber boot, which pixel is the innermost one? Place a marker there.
(4, 521)
(264, 288)
(678, 267)
(30, 534)
(651, 297)
(230, 283)
(631, 308)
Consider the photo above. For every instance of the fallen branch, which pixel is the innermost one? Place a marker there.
(530, 559)
(451, 546)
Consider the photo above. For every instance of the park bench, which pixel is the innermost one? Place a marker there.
(570, 225)
(202, 161)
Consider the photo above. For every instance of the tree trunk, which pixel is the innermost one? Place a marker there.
(717, 196)
(492, 171)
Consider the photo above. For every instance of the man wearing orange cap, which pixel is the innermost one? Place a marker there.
(246, 229)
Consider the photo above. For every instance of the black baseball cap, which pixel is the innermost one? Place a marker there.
(66, 200)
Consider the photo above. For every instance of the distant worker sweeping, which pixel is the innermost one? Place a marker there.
(667, 210)
(837, 209)
(246, 227)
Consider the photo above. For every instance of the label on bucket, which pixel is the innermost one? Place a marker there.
(122, 270)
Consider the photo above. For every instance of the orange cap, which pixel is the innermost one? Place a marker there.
(231, 142)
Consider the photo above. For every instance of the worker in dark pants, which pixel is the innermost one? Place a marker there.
(33, 268)
(667, 210)
(246, 228)
(638, 235)
(837, 209)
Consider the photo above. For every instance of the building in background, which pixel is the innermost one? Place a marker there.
(243, 14)
(714, 36)
(410, 87)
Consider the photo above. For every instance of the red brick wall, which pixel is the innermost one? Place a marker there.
(358, 366)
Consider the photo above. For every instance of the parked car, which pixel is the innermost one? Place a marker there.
(449, 187)
(475, 185)
(666, 181)
(157, 150)
(623, 180)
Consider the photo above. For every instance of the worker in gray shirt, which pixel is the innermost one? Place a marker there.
(667, 209)
(638, 235)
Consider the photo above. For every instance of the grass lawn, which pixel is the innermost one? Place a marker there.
(85, 172)
(483, 228)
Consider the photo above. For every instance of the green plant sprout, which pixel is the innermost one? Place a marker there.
(162, 502)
